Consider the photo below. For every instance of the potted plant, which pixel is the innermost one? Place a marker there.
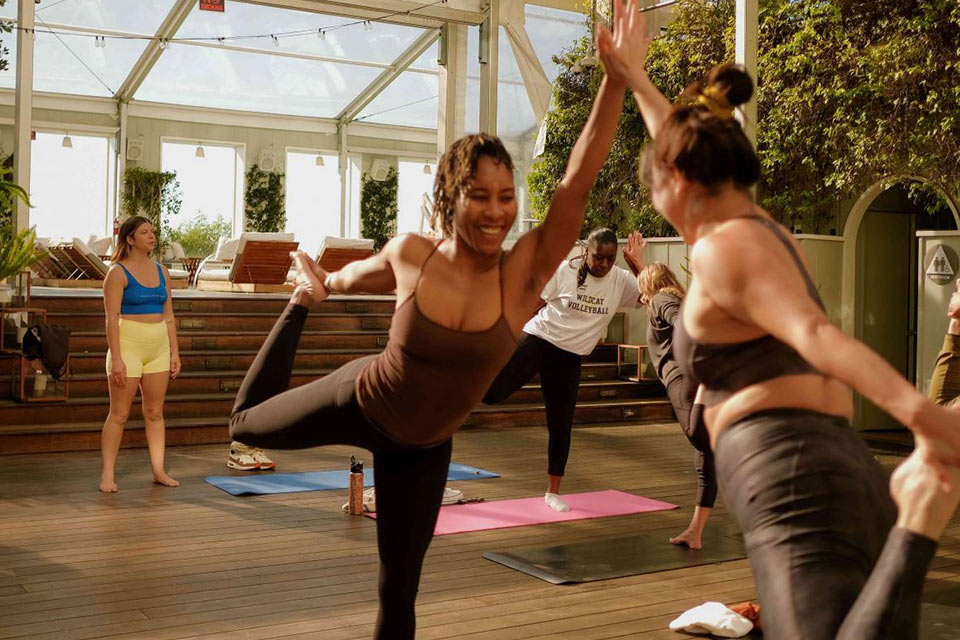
(16, 254)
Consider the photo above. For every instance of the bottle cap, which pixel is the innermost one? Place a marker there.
(356, 466)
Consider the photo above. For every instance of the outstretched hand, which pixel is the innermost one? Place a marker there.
(624, 52)
(636, 245)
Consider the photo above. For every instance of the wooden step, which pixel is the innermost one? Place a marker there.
(237, 321)
(96, 341)
(85, 435)
(191, 302)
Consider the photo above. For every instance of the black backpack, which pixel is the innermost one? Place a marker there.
(49, 343)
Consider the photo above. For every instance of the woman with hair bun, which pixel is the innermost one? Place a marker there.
(662, 293)
(578, 303)
(831, 555)
(461, 305)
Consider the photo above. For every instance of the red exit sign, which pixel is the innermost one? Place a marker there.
(212, 5)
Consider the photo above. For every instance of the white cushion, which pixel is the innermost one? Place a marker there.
(216, 275)
(262, 237)
(94, 259)
(345, 243)
(178, 252)
(178, 273)
(101, 246)
(227, 250)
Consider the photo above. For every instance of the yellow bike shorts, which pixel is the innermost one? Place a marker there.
(144, 347)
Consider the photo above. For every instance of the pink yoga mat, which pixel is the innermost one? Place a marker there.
(500, 514)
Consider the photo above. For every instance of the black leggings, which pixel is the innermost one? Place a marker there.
(690, 417)
(816, 514)
(559, 380)
(409, 480)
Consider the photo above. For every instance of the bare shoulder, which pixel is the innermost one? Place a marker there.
(408, 249)
(166, 272)
(115, 273)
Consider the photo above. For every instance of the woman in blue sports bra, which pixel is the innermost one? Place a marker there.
(142, 341)
(831, 556)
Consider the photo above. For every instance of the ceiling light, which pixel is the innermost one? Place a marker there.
(427, 170)
(320, 162)
(67, 142)
(199, 153)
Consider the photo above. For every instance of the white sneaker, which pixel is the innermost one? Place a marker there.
(263, 460)
(555, 502)
(450, 496)
(241, 458)
(369, 502)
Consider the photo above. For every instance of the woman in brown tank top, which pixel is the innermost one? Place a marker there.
(461, 303)
(810, 498)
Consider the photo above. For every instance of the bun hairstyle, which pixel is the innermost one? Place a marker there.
(456, 171)
(700, 137)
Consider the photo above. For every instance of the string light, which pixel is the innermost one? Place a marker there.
(276, 40)
(100, 42)
(321, 34)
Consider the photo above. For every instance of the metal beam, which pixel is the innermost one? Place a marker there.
(747, 26)
(178, 14)
(23, 110)
(382, 81)
(489, 65)
(451, 107)
(459, 11)
(344, 169)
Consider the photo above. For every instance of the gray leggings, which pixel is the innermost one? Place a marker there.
(816, 514)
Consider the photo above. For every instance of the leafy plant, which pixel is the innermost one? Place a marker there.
(199, 236)
(849, 93)
(264, 210)
(16, 251)
(154, 195)
(378, 208)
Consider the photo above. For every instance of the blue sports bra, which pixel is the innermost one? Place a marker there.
(139, 300)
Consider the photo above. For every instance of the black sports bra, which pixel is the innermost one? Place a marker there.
(725, 368)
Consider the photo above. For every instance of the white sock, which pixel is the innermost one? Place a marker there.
(555, 502)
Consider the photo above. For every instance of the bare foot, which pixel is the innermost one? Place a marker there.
(165, 480)
(309, 276)
(925, 504)
(108, 486)
(688, 539)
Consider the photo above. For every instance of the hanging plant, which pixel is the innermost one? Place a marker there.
(264, 209)
(154, 195)
(378, 208)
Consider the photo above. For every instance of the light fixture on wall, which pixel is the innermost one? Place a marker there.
(67, 142)
(199, 153)
(320, 162)
(426, 169)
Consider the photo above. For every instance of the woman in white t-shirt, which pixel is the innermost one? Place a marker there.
(579, 301)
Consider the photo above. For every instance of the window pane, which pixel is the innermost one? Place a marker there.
(57, 65)
(380, 43)
(553, 31)
(68, 187)
(208, 185)
(414, 184)
(114, 15)
(313, 198)
(410, 100)
(207, 77)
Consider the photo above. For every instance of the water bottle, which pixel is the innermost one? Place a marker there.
(355, 497)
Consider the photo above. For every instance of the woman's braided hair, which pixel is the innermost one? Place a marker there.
(456, 171)
(595, 239)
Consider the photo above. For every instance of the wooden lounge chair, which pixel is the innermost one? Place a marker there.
(335, 253)
(261, 264)
(83, 268)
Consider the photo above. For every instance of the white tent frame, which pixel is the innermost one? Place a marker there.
(447, 22)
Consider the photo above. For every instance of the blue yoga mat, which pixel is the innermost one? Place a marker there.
(319, 480)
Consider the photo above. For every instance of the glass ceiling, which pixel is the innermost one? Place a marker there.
(303, 75)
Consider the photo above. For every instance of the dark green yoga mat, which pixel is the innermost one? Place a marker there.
(619, 557)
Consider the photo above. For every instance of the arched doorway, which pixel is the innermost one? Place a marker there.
(880, 279)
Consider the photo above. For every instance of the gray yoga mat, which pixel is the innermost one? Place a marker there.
(619, 557)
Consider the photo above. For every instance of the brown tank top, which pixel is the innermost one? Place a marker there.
(429, 377)
(725, 368)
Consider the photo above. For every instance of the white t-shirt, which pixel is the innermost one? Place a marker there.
(574, 319)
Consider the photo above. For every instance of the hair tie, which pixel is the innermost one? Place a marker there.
(716, 102)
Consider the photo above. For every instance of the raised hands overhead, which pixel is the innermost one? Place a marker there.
(624, 52)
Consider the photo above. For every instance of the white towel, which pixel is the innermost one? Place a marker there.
(715, 618)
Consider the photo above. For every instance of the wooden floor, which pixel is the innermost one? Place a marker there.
(193, 562)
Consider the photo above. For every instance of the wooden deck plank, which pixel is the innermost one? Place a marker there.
(195, 563)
